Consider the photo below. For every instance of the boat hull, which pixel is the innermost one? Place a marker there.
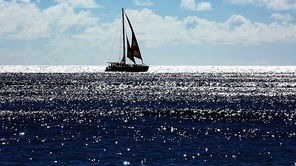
(127, 68)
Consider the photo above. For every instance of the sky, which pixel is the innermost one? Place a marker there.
(169, 32)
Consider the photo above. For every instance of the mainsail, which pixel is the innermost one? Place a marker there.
(134, 50)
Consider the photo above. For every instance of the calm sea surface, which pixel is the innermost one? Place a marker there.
(53, 115)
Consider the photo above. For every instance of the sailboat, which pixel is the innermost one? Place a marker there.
(132, 52)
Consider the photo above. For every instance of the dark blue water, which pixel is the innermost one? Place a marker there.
(148, 118)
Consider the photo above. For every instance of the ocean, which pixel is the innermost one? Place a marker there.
(171, 115)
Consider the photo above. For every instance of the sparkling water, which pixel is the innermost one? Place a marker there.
(171, 115)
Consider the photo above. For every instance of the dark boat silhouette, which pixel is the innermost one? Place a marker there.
(133, 51)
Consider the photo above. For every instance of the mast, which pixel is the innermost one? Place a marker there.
(123, 38)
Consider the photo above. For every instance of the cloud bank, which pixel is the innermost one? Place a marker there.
(25, 21)
(27, 30)
(194, 30)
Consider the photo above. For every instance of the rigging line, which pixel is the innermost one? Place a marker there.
(119, 50)
(112, 47)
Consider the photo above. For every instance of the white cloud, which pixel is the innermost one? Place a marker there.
(143, 2)
(283, 17)
(21, 20)
(192, 5)
(26, 21)
(80, 3)
(30, 35)
(270, 4)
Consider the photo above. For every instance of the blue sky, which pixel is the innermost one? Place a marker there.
(170, 32)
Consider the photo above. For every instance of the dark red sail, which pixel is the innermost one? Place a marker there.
(130, 54)
(135, 50)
